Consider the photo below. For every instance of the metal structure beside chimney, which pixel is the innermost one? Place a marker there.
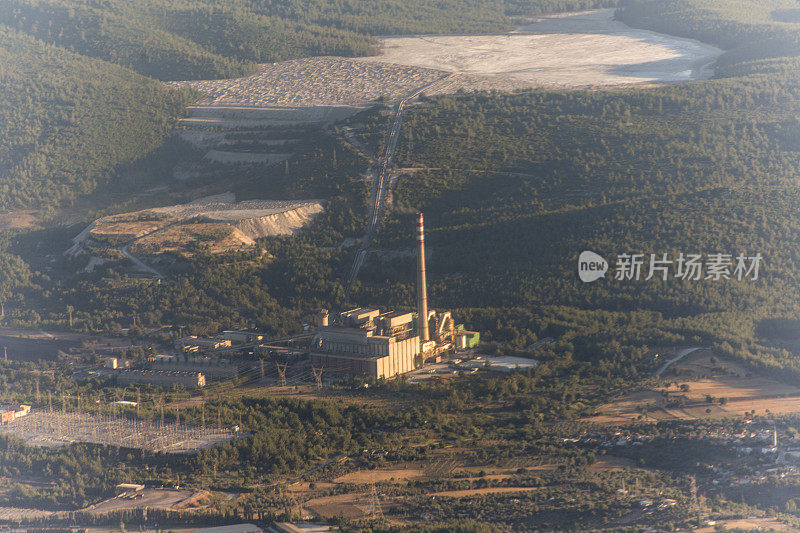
(422, 289)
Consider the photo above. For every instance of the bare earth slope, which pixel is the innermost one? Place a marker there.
(215, 220)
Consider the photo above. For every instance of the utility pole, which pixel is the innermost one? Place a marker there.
(261, 363)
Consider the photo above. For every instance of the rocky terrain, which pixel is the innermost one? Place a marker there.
(216, 224)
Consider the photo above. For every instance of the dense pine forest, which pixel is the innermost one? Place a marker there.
(68, 121)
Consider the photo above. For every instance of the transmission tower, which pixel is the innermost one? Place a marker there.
(160, 407)
(282, 372)
(695, 503)
(375, 510)
(317, 375)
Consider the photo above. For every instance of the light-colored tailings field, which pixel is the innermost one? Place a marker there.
(568, 50)
(312, 82)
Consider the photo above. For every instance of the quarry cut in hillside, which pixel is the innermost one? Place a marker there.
(217, 220)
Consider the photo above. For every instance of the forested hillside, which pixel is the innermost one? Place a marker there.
(750, 31)
(199, 39)
(66, 121)
(514, 187)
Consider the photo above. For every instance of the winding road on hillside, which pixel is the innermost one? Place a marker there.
(683, 353)
(125, 250)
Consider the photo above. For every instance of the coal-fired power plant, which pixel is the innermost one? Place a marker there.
(383, 344)
(422, 288)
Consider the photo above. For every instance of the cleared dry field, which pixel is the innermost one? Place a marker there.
(395, 475)
(18, 219)
(569, 50)
(692, 382)
(151, 499)
(750, 524)
(609, 463)
(352, 505)
(18, 514)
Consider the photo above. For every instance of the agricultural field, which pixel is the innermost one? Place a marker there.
(703, 385)
(344, 494)
(749, 524)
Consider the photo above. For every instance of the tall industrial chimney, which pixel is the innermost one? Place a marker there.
(422, 289)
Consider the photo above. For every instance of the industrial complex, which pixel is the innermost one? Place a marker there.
(377, 344)
(369, 342)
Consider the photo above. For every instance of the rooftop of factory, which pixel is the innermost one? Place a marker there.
(371, 322)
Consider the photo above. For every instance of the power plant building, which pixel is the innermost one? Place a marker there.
(131, 376)
(210, 367)
(368, 342)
